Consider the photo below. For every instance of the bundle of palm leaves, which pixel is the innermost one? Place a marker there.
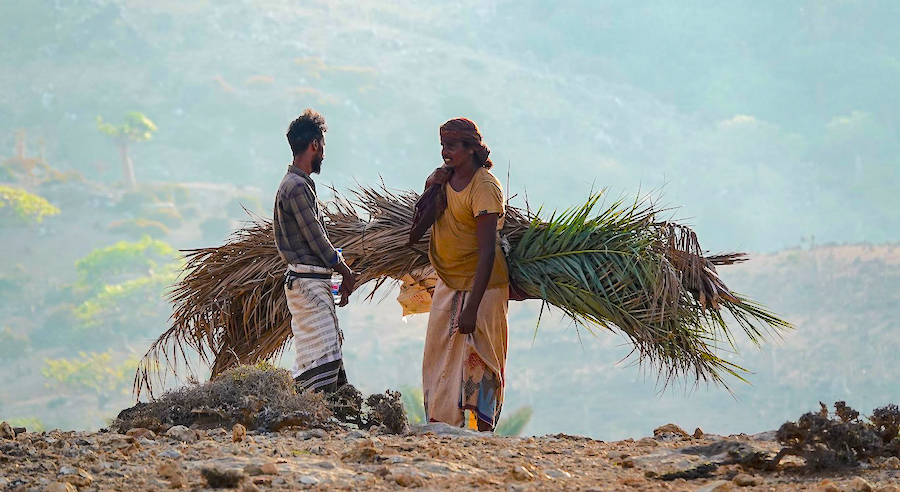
(618, 267)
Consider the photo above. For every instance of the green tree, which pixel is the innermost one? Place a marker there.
(136, 128)
(124, 260)
(94, 373)
(22, 207)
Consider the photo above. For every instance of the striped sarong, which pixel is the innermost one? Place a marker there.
(317, 336)
(463, 375)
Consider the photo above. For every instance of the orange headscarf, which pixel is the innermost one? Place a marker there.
(465, 130)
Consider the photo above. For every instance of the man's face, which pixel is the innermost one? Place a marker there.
(455, 154)
(319, 157)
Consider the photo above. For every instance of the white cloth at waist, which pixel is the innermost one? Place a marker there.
(299, 268)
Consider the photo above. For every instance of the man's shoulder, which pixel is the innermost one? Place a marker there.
(293, 183)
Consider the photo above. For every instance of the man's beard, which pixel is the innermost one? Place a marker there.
(317, 165)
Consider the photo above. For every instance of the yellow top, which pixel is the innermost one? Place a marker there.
(453, 250)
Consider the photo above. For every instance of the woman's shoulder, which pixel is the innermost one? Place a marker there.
(485, 176)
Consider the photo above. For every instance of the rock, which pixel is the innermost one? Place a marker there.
(827, 486)
(617, 455)
(75, 476)
(409, 481)
(442, 429)
(717, 486)
(363, 452)
(250, 487)
(860, 484)
(669, 432)
(60, 487)
(357, 434)
(698, 433)
(6, 431)
(309, 480)
(765, 436)
(557, 473)
(218, 478)
(521, 473)
(238, 433)
(140, 432)
(168, 470)
(253, 470)
(182, 433)
(269, 468)
(892, 463)
(171, 453)
(745, 480)
(633, 482)
(888, 488)
(176, 481)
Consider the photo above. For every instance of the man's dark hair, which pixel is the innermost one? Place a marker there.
(307, 127)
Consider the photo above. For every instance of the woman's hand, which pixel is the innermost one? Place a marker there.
(466, 322)
(439, 176)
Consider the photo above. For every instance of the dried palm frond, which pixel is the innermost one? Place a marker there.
(620, 269)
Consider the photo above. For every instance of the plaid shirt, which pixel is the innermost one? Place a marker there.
(299, 223)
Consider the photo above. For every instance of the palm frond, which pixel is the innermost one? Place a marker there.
(613, 266)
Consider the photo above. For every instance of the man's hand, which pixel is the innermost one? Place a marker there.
(348, 282)
(439, 176)
(466, 323)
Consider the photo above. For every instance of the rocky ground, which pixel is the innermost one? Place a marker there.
(433, 456)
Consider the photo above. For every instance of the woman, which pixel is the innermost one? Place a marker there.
(466, 343)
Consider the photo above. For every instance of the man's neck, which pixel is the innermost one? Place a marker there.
(302, 164)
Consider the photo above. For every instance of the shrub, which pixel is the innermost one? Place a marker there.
(261, 397)
(20, 207)
(139, 227)
(102, 266)
(135, 307)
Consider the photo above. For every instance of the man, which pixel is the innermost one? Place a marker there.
(311, 258)
(466, 341)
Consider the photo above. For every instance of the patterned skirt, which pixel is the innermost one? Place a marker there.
(463, 375)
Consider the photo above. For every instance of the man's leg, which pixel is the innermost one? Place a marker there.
(317, 340)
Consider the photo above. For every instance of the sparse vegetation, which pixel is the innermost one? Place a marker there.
(842, 439)
(260, 397)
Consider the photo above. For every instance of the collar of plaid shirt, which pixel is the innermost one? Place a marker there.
(299, 172)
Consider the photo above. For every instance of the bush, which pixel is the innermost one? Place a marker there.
(17, 206)
(134, 308)
(102, 266)
(139, 227)
(260, 397)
